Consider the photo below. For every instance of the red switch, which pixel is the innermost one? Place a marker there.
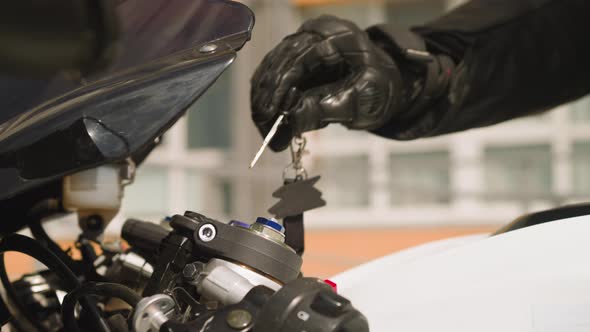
(332, 284)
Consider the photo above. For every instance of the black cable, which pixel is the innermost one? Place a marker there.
(30, 247)
(38, 212)
(40, 235)
(86, 265)
(102, 289)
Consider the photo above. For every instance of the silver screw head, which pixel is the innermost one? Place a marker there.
(208, 48)
(238, 319)
(207, 233)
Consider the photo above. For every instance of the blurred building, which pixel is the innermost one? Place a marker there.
(420, 191)
(481, 177)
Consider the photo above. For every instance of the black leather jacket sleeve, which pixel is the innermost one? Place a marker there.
(514, 58)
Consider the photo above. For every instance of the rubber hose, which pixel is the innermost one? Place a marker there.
(102, 289)
(30, 247)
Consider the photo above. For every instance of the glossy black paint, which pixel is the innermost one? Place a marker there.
(50, 128)
(541, 217)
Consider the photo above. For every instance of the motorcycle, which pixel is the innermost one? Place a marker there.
(70, 143)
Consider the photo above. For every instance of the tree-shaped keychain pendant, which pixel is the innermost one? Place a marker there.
(297, 195)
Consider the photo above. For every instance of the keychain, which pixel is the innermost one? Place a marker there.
(297, 195)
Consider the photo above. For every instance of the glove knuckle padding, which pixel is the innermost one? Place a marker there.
(364, 100)
(375, 94)
(269, 74)
(343, 40)
(327, 52)
(288, 69)
(328, 26)
(341, 75)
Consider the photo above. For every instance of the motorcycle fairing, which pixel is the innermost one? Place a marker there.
(54, 127)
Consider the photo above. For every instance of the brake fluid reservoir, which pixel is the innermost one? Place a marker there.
(96, 191)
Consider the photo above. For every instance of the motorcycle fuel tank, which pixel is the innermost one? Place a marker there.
(533, 279)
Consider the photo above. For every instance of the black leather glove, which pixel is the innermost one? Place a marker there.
(329, 71)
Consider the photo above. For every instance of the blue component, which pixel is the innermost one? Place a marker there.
(270, 223)
(238, 223)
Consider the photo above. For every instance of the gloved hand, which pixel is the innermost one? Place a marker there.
(329, 71)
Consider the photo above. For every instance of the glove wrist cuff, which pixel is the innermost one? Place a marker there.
(426, 76)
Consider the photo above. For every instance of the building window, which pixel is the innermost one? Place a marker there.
(209, 194)
(581, 168)
(580, 110)
(518, 172)
(148, 195)
(420, 178)
(226, 197)
(209, 118)
(345, 180)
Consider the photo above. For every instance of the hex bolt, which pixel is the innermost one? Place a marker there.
(207, 232)
(191, 272)
(238, 319)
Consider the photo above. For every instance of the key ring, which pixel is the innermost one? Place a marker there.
(297, 148)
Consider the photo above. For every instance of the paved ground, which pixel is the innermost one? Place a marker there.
(330, 252)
